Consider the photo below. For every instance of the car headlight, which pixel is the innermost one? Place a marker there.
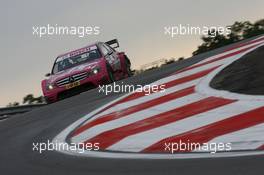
(95, 70)
(50, 87)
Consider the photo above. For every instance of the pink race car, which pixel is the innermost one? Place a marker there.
(85, 68)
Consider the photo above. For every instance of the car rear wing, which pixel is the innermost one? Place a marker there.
(113, 43)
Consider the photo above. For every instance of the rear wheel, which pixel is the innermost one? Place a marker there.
(128, 67)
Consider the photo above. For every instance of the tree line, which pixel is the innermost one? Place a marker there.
(29, 99)
(239, 31)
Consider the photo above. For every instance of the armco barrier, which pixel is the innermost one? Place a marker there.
(18, 109)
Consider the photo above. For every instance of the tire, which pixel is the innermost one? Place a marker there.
(47, 100)
(110, 74)
(128, 67)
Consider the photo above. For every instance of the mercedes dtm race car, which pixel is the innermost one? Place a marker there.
(85, 68)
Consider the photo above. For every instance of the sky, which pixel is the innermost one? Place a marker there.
(138, 25)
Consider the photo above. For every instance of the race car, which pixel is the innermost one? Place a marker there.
(85, 68)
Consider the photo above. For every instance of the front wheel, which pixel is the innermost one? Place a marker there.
(47, 100)
(110, 74)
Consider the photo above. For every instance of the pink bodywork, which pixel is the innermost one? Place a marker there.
(95, 79)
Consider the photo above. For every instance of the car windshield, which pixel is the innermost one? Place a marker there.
(66, 63)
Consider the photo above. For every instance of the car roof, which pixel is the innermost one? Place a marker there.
(90, 45)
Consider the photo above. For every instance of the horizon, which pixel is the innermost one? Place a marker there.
(144, 43)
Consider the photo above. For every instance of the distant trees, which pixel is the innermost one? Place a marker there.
(166, 61)
(169, 61)
(239, 31)
(12, 104)
(172, 60)
(28, 99)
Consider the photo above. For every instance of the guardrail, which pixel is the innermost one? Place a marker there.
(18, 109)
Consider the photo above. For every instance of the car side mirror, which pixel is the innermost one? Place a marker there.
(47, 75)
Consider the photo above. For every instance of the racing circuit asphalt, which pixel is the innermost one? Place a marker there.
(18, 133)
